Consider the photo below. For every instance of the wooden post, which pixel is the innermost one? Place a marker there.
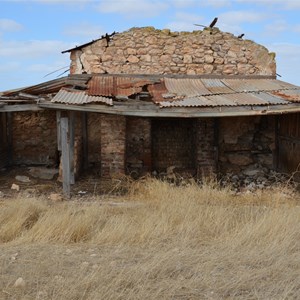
(9, 137)
(72, 139)
(58, 116)
(64, 128)
(85, 140)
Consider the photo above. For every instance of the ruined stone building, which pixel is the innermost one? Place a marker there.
(146, 99)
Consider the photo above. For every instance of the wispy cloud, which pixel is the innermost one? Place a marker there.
(184, 22)
(279, 4)
(84, 30)
(9, 25)
(133, 8)
(32, 49)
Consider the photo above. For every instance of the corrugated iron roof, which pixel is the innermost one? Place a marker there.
(237, 99)
(289, 95)
(186, 87)
(116, 85)
(79, 98)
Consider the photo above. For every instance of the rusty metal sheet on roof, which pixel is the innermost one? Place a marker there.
(241, 85)
(189, 102)
(186, 87)
(288, 95)
(245, 99)
(159, 92)
(116, 85)
(286, 85)
(79, 98)
(237, 99)
(216, 86)
(271, 99)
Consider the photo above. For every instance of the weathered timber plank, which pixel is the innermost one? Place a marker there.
(64, 126)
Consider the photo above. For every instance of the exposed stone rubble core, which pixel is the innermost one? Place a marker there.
(257, 177)
(150, 51)
(34, 138)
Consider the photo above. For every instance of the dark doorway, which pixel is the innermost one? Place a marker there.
(289, 143)
(173, 144)
(3, 141)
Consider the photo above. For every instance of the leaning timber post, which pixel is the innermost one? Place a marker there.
(276, 154)
(216, 144)
(58, 117)
(84, 122)
(72, 139)
(9, 138)
(65, 154)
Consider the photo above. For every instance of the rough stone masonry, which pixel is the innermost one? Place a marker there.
(124, 145)
(151, 51)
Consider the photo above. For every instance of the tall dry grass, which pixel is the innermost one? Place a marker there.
(161, 242)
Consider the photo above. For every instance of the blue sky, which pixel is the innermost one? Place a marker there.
(33, 33)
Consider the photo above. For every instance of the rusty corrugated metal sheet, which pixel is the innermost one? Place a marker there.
(289, 95)
(271, 99)
(159, 92)
(216, 86)
(189, 102)
(116, 85)
(79, 98)
(237, 99)
(189, 87)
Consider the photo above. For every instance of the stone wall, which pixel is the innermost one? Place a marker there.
(246, 141)
(113, 145)
(206, 155)
(138, 146)
(173, 145)
(34, 139)
(150, 51)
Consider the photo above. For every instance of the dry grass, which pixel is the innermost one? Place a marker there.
(161, 242)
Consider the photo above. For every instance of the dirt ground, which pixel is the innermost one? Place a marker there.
(88, 185)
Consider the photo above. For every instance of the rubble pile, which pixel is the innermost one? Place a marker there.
(256, 177)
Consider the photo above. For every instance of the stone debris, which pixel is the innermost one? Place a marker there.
(43, 173)
(2, 195)
(24, 179)
(15, 187)
(14, 257)
(20, 283)
(254, 178)
(56, 197)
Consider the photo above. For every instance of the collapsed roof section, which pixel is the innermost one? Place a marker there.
(162, 94)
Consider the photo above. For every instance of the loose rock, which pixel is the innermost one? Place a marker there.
(15, 187)
(20, 283)
(24, 179)
(56, 197)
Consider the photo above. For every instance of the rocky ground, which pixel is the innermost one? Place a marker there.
(36, 181)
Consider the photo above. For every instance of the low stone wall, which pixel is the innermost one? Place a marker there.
(34, 139)
(113, 141)
(138, 146)
(246, 141)
(205, 145)
(151, 51)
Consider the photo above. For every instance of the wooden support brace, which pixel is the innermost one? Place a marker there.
(72, 141)
(85, 139)
(65, 148)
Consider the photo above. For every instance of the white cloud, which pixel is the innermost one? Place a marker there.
(288, 63)
(85, 30)
(9, 25)
(285, 4)
(241, 16)
(32, 49)
(185, 22)
(133, 8)
(276, 27)
(216, 3)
